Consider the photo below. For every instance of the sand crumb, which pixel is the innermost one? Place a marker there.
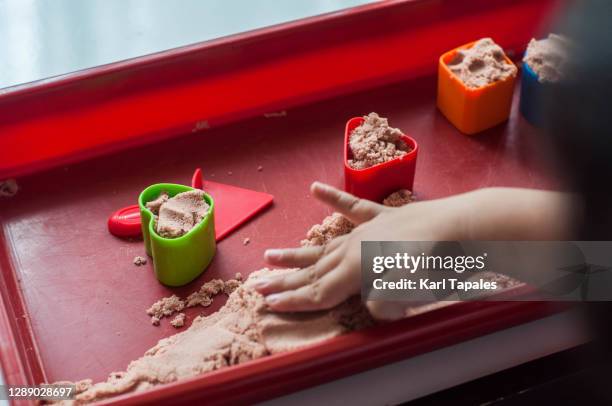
(259, 168)
(154, 205)
(503, 281)
(179, 214)
(207, 292)
(204, 296)
(231, 285)
(246, 241)
(178, 321)
(399, 198)
(139, 261)
(374, 142)
(8, 188)
(331, 227)
(83, 385)
(482, 64)
(165, 307)
(548, 57)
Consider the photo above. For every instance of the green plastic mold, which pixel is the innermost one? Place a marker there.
(177, 261)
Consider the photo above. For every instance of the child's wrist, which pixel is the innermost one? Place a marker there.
(470, 209)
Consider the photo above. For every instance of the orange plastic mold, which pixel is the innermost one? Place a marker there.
(472, 110)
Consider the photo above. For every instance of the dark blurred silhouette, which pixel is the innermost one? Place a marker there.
(579, 127)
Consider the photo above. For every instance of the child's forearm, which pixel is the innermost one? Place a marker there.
(519, 214)
(503, 214)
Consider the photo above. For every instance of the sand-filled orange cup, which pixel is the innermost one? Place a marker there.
(472, 110)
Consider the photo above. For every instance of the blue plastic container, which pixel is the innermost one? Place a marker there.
(532, 89)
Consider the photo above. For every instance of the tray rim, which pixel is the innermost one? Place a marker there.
(20, 360)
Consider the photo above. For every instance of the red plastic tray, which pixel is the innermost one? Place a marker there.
(71, 302)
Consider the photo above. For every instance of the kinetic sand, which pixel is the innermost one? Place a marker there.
(374, 142)
(548, 57)
(482, 64)
(175, 216)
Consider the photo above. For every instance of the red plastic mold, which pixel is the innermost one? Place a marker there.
(379, 181)
(125, 222)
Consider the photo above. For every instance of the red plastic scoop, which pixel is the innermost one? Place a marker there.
(234, 206)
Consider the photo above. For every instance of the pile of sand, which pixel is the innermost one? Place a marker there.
(177, 215)
(240, 331)
(548, 57)
(165, 307)
(482, 64)
(374, 142)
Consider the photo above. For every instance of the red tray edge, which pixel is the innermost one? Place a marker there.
(136, 76)
(19, 354)
(283, 373)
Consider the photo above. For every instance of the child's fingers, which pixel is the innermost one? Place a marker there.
(297, 279)
(386, 310)
(294, 257)
(324, 293)
(356, 210)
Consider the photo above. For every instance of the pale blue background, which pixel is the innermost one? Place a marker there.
(43, 38)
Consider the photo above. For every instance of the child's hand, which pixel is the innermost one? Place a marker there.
(331, 274)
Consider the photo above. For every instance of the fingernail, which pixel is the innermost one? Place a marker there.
(272, 299)
(318, 185)
(273, 254)
(260, 284)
